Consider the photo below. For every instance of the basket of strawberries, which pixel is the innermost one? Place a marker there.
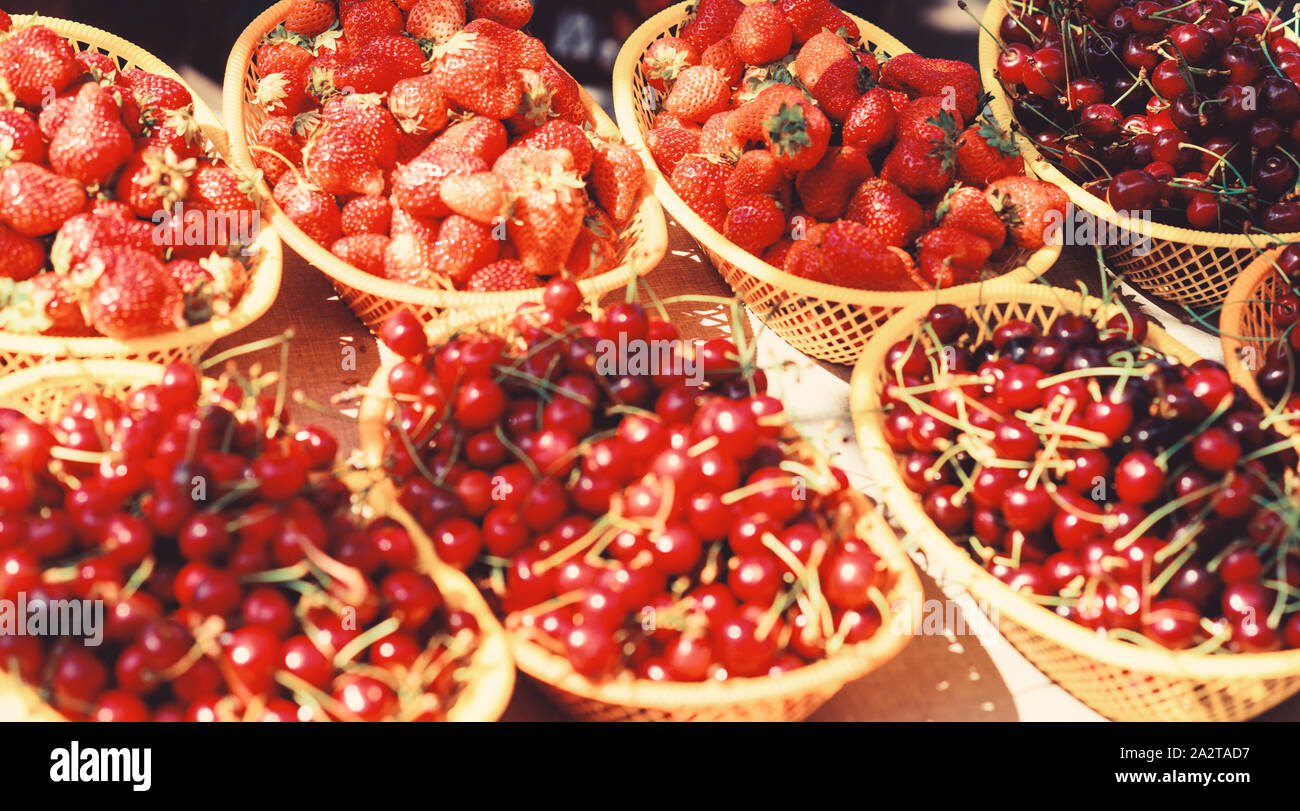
(242, 573)
(662, 544)
(123, 232)
(1257, 328)
(1126, 512)
(427, 162)
(829, 173)
(1172, 127)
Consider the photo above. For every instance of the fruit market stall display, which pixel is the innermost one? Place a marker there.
(1177, 125)
(419, 159)
(660, 550)
(123, 232)
(1259, 335)
(283, 588)
(821, 167)
(1116, 500)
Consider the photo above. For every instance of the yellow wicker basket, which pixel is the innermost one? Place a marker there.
(488, 677)
(1119, 680)
(18, 351)
(825, 321)
(1186, 266)
(791, 697)
(1246, 326)
(643, 241)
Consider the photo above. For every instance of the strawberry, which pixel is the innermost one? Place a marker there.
(699, 92)
(825, 189)
(179, 132)
(367, 214)
(834, 19)
(805, 17)
(887, 210)
(721, 56)
(534, 104)
(368, 20)
(152, 181)
(799, 258)
(20, 257)
(717, 139)
(37, 64)
(817, 54)
(668, 145)
(956, 82)
(520, 165)
(409, 256)
(60, 301)
(502, 276)
(418, 105)
(339, 163)
(416, 184)
(1029, 207)
(215, 185)
(797, 134)
(52, 116)
(761, 34)
(776, 253)
(746, 123)
(470, 71)
(986, 153)
(282, 54)
(713, 20)
(560, 134)
(616, 177)
(312, 210)
(435, 20)
(966, 207)
(98, 66)
(211, 286)
(852, 255)
(482, 137)
(566, 100)
(925, 119)
(463, 246)
(757, 172)
(548, 215)
(34, 201)
(92, 143)
(6, 23)
(480, 196)
(84, 233)
(410, 145)
(20, 138)
(518, 50)
(950, 256)
(284, 93)
(277, 133)
(596, 249)
(510, 13)
(921, 169)
(363, 251)
(380, 64)
(755, 222)
(310, 18)
(665, 59)
(133, 295)
(365, 117)
(153, 91)
(700, 181)
(872, 121)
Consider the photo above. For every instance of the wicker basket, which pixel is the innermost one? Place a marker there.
(825, 321)
(1186, 266)
(791, 697)
(18, 351)
(1246, 326)
(489, 676)
(1117, 679)
(643, 241)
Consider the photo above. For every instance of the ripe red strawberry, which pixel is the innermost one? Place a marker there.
(470, 70)
(310, 18)
(510, 13)
(700, 181)
(722, 56)
(83, 233)
(98, 66)
(52, 117)
(747, 122)
(35, 201)
(152, 182)
(616, 177)
(761, 34)
(797, 134)
(755, 222)
(366, 118)
(871, 122)
(367, 214)
(985, 153)
(520, 165)
(548, 215)
(20, 138)
(92, 143)
(924, 119)
(713, 20)
(416, 184)
(282, 54)
(799, 258)
(212, 286)
(480, 196)
(279, 134)
(179, 132)
(665, 59)
(852, 255)
(339, 163)
(757, 172)
(534, 104)
(152, 90)
(668, 145)
(216, 186)
(519, 50)
(59, 301)
(410, 145)
(834, 19)
(20, 257)
(484, 138)
(435, 20)
(1029, 207)
(922, 169)
(699, 92)
(950, 256)
(364, 251)
(956, 82)
(5, 22)
(463, 246)
(566, 100)
(717, 139)
(380, 64)
(825, 189)
(839, 87)
(312, 210)
(560, 134)
(285, 93)
(133, 295)
(506, 275)
(418, 105)
(596, 248)
(805, 17)
(966, 207)
(887, 210)
(776, 253)
(368, 20)
(817, 54)
(409, 256)
(37, 64)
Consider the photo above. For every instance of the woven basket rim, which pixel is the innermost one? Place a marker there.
(1042, 168)
(642, 256)
(265, 276)
(957, 564)
(625, 68)
(483, 699)
(1232, 325)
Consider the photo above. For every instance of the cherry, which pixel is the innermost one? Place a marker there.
(1138, 479)
(1174, 623)
(403, 332)
(741, 650)
(1216, 450)
(848, 574)
(948, 513)
(591, 651)
(689, 658)
(1044, 74)
(676, 549)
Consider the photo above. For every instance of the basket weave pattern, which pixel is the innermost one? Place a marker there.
(19, 351)
(1117, 679)
(1246, 326)
(642, 241)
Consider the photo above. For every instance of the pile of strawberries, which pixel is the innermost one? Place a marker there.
(784, 132)
(106, 192)
(437, 153)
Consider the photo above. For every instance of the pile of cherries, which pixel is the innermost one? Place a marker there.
(237, 581)
(1134, 495)
(1180, 108)
(641, 523)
